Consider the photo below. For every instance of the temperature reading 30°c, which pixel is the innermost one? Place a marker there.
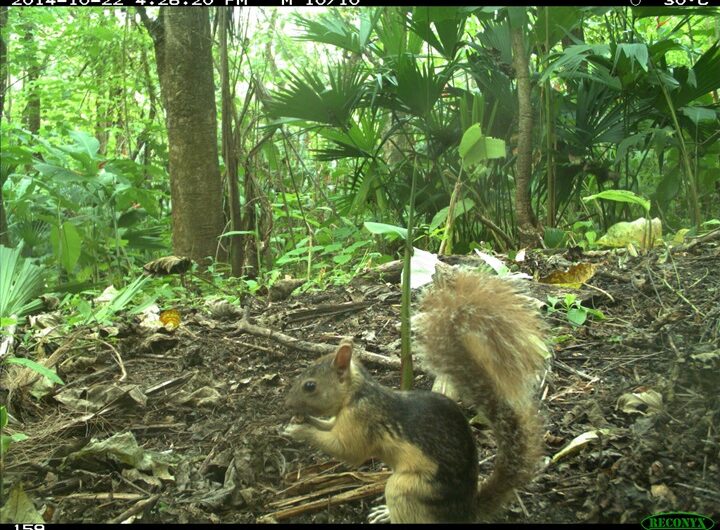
(684, 2)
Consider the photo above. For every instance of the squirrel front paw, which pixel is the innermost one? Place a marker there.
(298, 431)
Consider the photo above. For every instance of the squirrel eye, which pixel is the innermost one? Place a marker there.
(309, 386)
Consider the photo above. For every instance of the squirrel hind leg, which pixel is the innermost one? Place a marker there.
(379, 515)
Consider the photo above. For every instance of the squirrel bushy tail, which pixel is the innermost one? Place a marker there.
(480, 333)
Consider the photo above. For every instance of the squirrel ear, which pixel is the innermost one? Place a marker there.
(343, 355)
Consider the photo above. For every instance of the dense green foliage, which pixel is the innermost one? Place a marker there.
(336, 110)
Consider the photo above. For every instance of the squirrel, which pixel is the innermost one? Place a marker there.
(481, 334)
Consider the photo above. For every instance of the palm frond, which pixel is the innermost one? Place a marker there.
(441, 27)
(332, 29)
(20, 283)
(308, 97)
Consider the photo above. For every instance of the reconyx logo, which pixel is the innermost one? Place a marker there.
(677, 521)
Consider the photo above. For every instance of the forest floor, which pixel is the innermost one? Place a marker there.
(193, 431)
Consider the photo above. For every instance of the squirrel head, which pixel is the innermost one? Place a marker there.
(325, 386)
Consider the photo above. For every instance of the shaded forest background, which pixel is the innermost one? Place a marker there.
(276, 133)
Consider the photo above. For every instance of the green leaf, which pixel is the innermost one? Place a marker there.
(20, 283)
(20, 508)
(555, 23)
(554, 237)
(59, 174)
(3, 416)
(84, 143)
(307, 96)
(66, 244)
(620, 196)
(699, 114)
(707, 77)
(635, 52)
(461, 207)
(342, 259)
(577, 316)
(37, 367)
(475, 147)
(419, 85)
(448, 24)
(382, 228)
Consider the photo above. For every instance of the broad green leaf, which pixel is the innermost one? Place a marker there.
(475, 147)
(620, 196)
(699, 114)
(465, 205)
(58, 173)
(448, 24)
(19, 508)
(554, 23)
(66, 243)
(517, 16)
(37, 367)
(382, 228)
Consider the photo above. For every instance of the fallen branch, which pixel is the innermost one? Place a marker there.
(710, 236)
(326, 310)
(243, 326)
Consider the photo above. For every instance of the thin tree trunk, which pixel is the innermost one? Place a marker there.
(523, 172)
(32, 110)
(230, 154)
(182, 36)
(4, 233)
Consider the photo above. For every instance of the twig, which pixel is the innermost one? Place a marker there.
(522, 505)
(118, 359)
(715, 494)
(601, 290)
(570, 369)
(359, 493)
(682, 296)
(134, 509)
(110, 496)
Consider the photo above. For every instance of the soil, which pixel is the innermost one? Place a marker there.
(207, 400)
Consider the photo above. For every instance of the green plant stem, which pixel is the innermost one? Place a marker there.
(446, 244)
(689, 174)
(405, 351)
(551, 207)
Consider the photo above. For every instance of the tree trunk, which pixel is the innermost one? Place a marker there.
(4, 235)
(32, 110)
(230, 155)
(186, 82)
(523, 172)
